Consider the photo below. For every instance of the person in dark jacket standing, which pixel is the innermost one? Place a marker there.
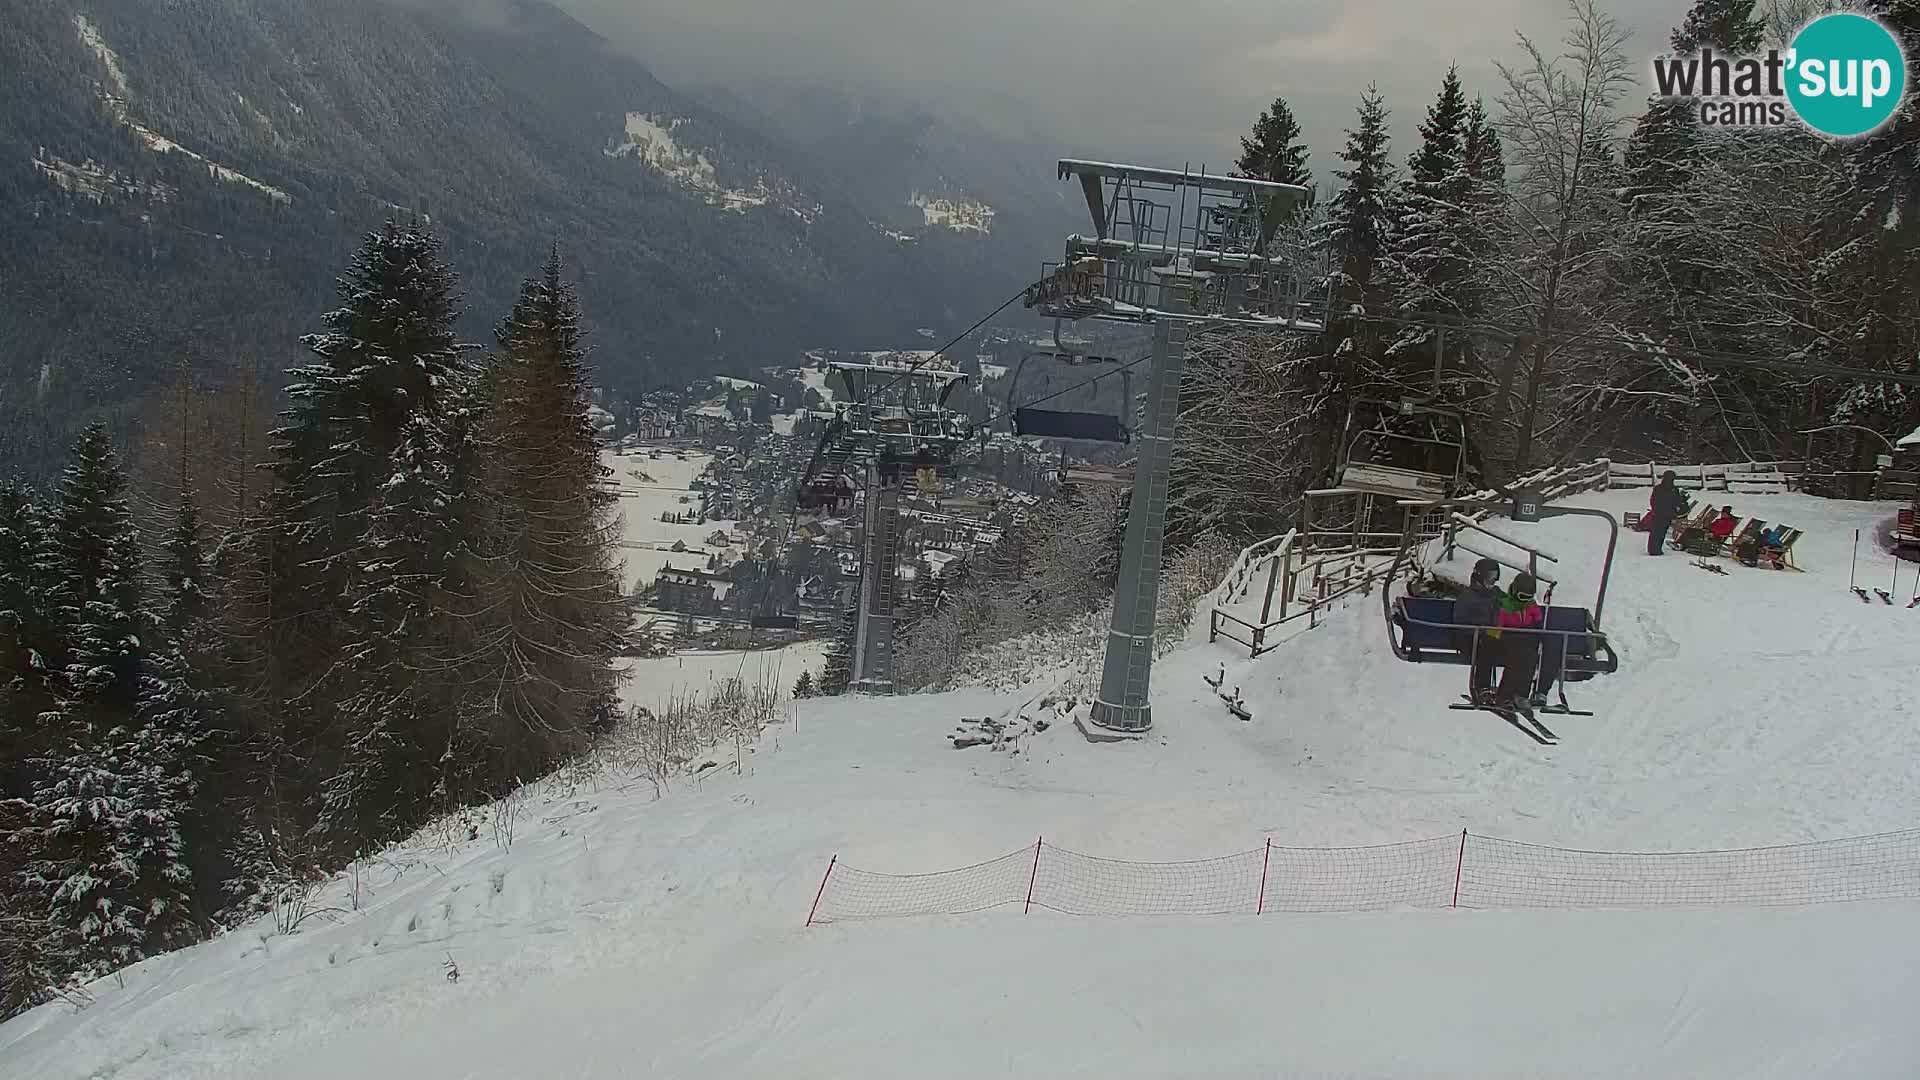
(1479, 606)
(1667, 504)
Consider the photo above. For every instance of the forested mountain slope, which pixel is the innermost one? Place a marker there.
(180, 179)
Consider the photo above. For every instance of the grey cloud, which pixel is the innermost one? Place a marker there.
(1169, 82)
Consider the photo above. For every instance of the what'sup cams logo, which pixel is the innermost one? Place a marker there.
(1844, 75)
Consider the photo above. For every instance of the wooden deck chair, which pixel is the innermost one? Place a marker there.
(1749, 531)
(1686, 527)
(1781, 554)
(1906, 529)
(1694, 533)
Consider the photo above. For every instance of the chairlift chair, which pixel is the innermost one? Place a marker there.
(1079, 425)
(820, 497)
(1380, 455)
(1573, 648)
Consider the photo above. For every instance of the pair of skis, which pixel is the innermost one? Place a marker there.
(1885, 597)
(1532, 728)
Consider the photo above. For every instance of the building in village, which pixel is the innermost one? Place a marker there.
(689, 591)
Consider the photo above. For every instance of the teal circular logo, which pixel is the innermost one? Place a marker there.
(1846, 74)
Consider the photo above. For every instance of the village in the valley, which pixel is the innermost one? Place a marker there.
(718, 558)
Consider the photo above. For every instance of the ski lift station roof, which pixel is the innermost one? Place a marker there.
(1114, 171)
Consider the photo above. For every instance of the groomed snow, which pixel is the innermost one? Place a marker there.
(624, 935)
(656, 680)
(646, 539)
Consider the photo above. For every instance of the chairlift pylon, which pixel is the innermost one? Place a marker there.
(1066, 423)
(1403, 449)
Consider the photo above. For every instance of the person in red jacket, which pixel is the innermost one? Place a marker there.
(1722, 526)
(1519, 653)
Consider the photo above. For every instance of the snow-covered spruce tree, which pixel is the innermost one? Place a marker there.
(1273, 150)
(112, 863)
(31, 964)
(556, 615)
(181, 695)
(29, 647)
(95, 585)
(384, 370)
(111, 793)
(1728, 27)
(381, 782)
(1433, 247)
(837, 674)
(1361, 216)
(1359, 235)
(803, 686)
(185, 603)
(388, 354)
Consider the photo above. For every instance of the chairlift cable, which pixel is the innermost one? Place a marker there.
(964, 335)
(1006, 412)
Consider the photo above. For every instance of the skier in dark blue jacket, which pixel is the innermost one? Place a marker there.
(1479, 606)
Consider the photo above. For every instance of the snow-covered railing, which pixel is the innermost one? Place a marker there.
(1752, 477)
(1234, 586)
(1311, 571)
(1301, 582)
(1555, 482)
(1460, 870)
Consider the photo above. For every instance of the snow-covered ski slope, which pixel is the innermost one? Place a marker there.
(624, 935)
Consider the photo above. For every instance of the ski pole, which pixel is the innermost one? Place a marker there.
(1855, 564)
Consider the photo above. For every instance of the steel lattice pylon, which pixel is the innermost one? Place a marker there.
(892, 424)
(1169, 249)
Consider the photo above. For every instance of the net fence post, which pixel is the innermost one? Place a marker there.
(1260, 906)
(1459, 864)
(822, 891)
(1034, 875)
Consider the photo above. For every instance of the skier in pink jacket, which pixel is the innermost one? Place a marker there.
(1519, 653)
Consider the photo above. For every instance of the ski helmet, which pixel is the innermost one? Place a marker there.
(1486, 571)
(1523, 586)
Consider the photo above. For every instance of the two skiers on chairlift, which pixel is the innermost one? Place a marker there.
(1517, 654)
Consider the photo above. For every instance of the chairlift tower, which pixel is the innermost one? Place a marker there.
(1169, 250)
(891, 426)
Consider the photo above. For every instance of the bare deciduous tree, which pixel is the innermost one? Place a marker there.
(1559, 116)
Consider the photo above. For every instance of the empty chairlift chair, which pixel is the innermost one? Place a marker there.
(1402, 449)
(1083, 425)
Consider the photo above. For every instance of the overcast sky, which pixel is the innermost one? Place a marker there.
(1172, 80)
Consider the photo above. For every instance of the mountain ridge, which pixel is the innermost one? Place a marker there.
(184, 178)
